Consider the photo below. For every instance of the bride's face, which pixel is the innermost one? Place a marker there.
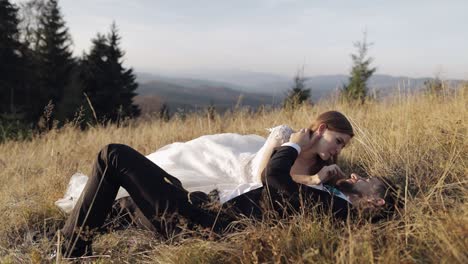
(330, 143)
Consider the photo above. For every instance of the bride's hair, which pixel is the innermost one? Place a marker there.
(337, 122)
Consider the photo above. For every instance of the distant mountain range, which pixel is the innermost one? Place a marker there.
(197, 94)
(223, 88)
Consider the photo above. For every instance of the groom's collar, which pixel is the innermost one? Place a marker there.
(294, 145)
(331, 190)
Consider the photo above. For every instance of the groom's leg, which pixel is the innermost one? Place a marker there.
(154, 191)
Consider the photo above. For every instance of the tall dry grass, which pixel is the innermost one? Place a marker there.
(420, 141)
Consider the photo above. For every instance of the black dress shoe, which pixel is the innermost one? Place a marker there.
(198, 198)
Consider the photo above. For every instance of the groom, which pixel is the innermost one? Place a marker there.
(160, 197)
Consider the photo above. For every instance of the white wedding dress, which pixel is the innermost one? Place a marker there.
(230, 163)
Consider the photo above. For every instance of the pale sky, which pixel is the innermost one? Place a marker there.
(411, 38)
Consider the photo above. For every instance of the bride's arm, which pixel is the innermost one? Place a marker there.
(328, 174)
(306, 179)
(278, 136)
(270, 145)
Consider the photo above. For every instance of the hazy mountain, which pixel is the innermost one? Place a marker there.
(223, 88)
(187, 81)
(259, 82)
(256, 81)
(197, 94)
(239, 80)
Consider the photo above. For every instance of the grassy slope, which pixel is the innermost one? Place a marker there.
(420, 141)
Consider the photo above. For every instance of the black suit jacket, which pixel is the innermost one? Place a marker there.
(284, 195)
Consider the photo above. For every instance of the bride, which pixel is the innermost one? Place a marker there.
(233, 163)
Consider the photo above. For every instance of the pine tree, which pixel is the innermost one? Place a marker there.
(11, 63)
(125, 79)
(109, 86)
(298, 94)
(164, 112)
(356, 89)
(93, 72)
(56, 63)
(30, 15)
(211, 110)
(434, 86)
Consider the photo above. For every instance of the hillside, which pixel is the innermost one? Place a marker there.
(417, 141)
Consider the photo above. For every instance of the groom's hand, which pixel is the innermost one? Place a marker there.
(301, 137)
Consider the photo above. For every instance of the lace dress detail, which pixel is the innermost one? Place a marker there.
(281, 133)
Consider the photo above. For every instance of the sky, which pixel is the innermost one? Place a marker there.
(409, 38)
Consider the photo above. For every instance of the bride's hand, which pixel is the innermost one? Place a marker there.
(331, 174)
(304, 138)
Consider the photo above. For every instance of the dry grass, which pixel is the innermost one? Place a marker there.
(418, 140)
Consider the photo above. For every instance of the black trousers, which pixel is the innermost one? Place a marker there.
(158, 195)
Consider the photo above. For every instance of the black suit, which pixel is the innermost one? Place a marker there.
(283, 194)
(159, 196)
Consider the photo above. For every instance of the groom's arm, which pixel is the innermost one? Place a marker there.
(277, 172)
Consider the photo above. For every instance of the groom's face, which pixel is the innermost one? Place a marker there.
(359, 185)
(363, 191)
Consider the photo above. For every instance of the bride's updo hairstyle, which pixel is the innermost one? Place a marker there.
(337, 122)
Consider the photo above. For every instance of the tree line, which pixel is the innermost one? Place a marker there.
(355, 91)
(43, 85)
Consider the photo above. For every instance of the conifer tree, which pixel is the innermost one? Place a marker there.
(298, 94)
(56, 63)
(164, 112)
(356, 89)
(125, 79)
(434, 86)
(109, 86)
(30, 13)
(93, 70)
(11, 63)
